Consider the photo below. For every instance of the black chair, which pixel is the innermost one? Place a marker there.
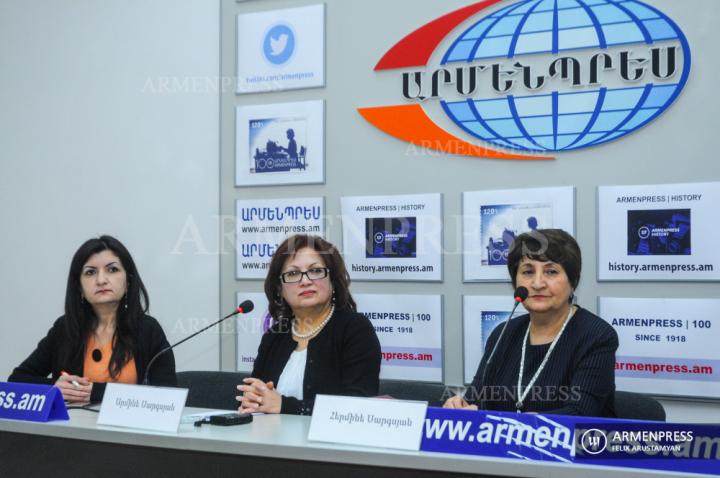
(637, 406)
(433, 393)
(209, 389)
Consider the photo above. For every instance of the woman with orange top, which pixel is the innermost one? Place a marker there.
(105, 334)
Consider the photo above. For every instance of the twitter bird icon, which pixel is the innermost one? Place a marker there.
(279, 44)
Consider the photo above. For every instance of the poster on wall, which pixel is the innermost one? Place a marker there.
(409, 328)
(481, 314)
(393, 237)
(667, 346)
(281, 49)
(660, 232)
(250, 328)
(280, 143)
(493, 219)
(263, 224)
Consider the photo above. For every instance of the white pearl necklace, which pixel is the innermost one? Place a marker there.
(522, 395)
(316, 329)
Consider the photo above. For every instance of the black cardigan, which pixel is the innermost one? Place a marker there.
(45, 359)
(578, 379)
(343, 359)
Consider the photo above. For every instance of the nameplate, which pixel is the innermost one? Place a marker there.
(685, 448)
(31, 402)
(140, 406)
(372, 422)
(508, 435)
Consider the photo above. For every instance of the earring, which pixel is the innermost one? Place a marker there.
(126, 301)
(333, 297)
(278, 300)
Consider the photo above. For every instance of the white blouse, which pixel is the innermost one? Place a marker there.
(292, 377)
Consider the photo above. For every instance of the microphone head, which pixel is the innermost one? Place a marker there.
(248, 306)
(521, 293)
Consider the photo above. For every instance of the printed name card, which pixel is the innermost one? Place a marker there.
(31, 402)
(368, 422)
(141, 406)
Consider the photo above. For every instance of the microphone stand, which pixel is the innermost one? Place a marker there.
(521, 294)
(239, 310)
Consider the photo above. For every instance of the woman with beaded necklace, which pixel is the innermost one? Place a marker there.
(559, 358)
(318, 343)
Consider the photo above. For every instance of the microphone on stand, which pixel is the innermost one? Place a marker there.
(521, 293)
(244, 308)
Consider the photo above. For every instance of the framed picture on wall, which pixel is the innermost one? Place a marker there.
(263, 224)
(667, 346)
(660, 232)
(409, 328)
(280, 144)
(396, 238)
(281, 49)
(250, 328)
(493, 219)
(481, 314)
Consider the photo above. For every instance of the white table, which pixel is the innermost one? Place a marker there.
(272, 445)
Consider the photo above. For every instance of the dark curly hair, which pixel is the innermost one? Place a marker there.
(339, 277)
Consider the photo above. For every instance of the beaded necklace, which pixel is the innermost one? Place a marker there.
(521, 394)
(316, 329)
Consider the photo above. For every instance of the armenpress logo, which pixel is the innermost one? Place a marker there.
(279, 44)
(535, 76)
(593, 441)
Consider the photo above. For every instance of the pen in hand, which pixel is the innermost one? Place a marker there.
(74, 382)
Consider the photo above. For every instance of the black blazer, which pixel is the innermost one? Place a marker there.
(343, 359)
(579, 378)
(45, 359)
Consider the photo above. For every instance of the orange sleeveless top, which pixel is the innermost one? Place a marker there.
(99, 372)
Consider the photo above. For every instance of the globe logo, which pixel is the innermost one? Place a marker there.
(279, 44)
(379, 237)
(534, 77)
(586, 40)
(644, 232)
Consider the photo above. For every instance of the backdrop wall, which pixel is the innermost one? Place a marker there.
(361, 160)
(110, 125)
(102, 131)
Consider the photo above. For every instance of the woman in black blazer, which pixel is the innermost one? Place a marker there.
(557, 359)
(318, 343)
(105, 334)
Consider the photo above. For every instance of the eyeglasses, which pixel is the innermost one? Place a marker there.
(313, 274)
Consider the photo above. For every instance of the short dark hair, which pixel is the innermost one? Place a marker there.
(80, 317)
(339, 277)
(545, 245)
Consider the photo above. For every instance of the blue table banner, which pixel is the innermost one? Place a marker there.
(31, 402)
(689, 448)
